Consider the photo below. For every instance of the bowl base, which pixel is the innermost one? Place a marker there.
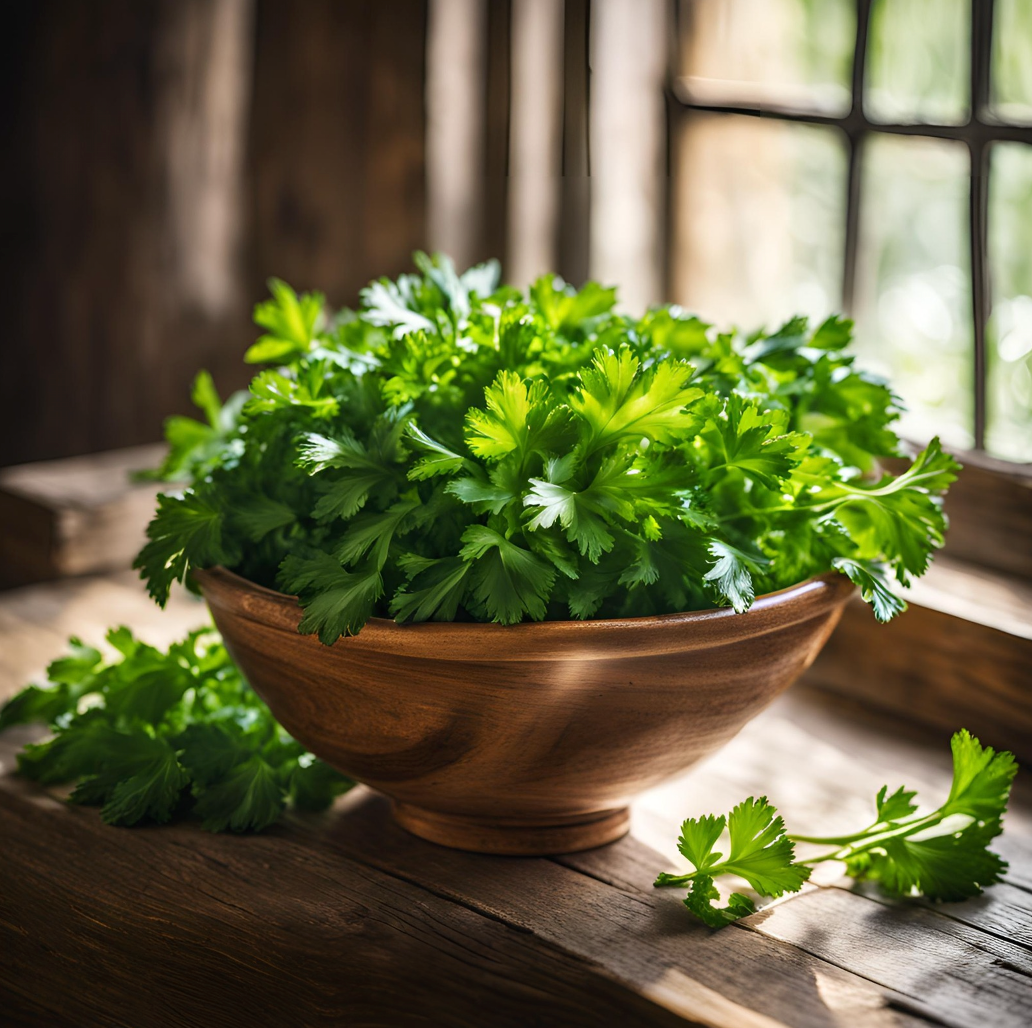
(514, 837)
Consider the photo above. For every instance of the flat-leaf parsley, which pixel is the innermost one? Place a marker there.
(458, 450)
(943, 854)
(152, 733)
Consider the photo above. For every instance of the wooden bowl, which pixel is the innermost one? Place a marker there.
(524, 739)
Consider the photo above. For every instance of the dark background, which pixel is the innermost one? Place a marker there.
(293, 132)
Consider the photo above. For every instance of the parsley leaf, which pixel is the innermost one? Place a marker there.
(509, 581)
(336, 602)
(656, 464)
(167, 733)
(943, 854)
(518, 420)
(249, 798)
(289, 321)
(754, 441)
(732, 573)
(760, 852)
(187, 532)
(618, 401)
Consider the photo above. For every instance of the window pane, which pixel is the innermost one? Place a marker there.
(759, 220)
(793, 52)
(1012, 61)
(918, 61)
(914, 304)
(1009, 432)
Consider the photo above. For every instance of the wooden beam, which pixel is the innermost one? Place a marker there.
(77, 516)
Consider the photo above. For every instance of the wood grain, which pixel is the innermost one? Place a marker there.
(125, 126)
(523, 739)
(167, 157)
(76, 516)
(336, 162)
(943, 669)
(990, 512)
(330, 933)
(269, 930)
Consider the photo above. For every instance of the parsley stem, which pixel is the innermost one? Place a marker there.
(878, 830)
(834, 840)
(833, 855)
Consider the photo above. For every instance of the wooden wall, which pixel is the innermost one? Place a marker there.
(162, 158)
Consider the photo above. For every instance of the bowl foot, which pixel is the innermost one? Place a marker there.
(514, 837)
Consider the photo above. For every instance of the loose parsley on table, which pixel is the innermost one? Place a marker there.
(943, 854)
(459, 450)
(149, 734)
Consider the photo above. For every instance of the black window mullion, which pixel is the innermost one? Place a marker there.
(855, 128)
(978, 227)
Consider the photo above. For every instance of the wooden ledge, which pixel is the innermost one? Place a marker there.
(961, 655)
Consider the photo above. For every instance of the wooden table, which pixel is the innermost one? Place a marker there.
(344, 919)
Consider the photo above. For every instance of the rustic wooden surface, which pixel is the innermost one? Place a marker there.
(75, 516)
(990, 511)
(345, 919)
(336, 156)
(950, 668)
(125, 130)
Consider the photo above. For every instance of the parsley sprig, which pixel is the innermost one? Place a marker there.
(455, 449)
(942, 854)
(151, 733)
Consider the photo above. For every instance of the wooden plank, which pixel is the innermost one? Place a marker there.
(646, 939)
(681, 971)
(263, 930)
(575, 198)
(943, 669)
(990, 511)
(918, 955)
(214, 898)
(975, 593)
(935, 965)
(497, 125)
(36, 621)
(974, 956)
(76, 516)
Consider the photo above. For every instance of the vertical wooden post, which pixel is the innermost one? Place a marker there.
(575, 220)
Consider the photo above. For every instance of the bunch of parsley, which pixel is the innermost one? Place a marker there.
(457, 450)
(150, 734)
(943, 854)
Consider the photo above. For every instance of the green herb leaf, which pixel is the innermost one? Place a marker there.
(168, 733)
(509, 581)
(290, 322)
(656, 464)
(336, 602)
(250, 797)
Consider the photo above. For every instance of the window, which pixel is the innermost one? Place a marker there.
(874, 155)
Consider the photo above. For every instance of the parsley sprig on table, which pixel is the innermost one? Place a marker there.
(149, 734)
(459, 450)
(942, 854)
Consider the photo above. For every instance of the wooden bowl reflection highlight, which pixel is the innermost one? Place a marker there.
(523, 739)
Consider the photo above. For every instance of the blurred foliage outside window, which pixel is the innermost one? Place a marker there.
(760, 204)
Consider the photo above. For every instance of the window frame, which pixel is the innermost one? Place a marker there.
(978, 134)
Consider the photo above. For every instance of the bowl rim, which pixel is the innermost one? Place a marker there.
(817, 596)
